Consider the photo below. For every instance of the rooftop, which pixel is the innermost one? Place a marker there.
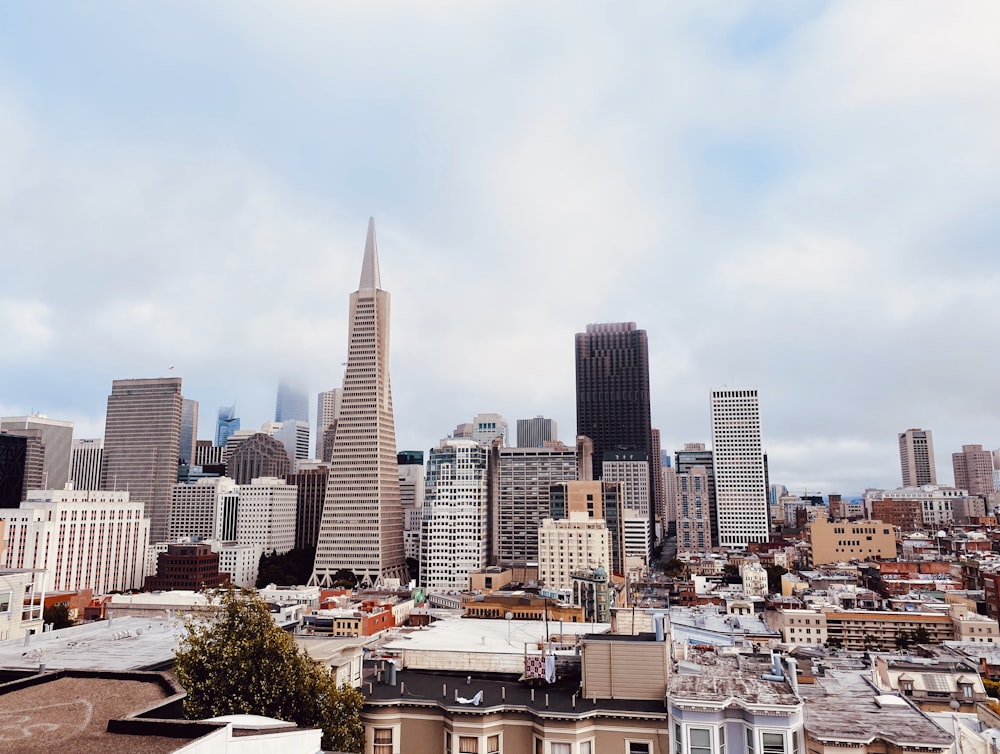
(718, 678)
(842, 706)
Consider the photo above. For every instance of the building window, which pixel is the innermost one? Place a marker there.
(383, 741)
(638, 747)
(586, 747)
(751, 748)
(560, 747)
(468, 745)
(493, 744)
(772, 743)
(699, 741)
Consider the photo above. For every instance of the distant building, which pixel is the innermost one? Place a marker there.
(311, 484)
(13, 455)
(195, 508)
(916, 457)
(192, 567)
(914, 508)
(694, 515)
(292, 403)
(533, 433)
(453, 536)
(228, 422)
(142, 445)
(259, 456)
(262, 513)
(600, 500)
(973, 469)
(327, 410)
(569, 545)
(189, 431)
(56, 437)
(488, 427)
(740, 468)
(694, 454)
(102, 538)
(86, 458)
(411, 496)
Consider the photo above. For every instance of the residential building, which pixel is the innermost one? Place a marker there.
(914, 508)
(524, 478)
(259, 456)
(57, 438)
(599, 500)
(453, 536)
(973, 469)
(573, 544)
(327, 410)
(695, 454)
(740, 469)
(693, 512)
(86, 458)
(83, 539)
(657, 492)
(916, 457)
(612, 389)
(362, 526)
(839, 541)
(227, 423)
(534, 433)
(20, 605)
(142, 445)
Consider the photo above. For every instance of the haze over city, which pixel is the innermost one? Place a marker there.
(799, 197)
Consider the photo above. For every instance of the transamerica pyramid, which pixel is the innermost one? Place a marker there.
(362, 526)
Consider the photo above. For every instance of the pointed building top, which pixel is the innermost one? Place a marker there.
(370, 279)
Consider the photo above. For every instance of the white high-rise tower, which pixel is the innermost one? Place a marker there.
(738, 457)
(362, 525)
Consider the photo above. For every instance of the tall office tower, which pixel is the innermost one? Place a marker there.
(102, 538)
(311, 479)
(974, 470)
(189, 430)
(916, 457)
(228, 423)
(657, 494)
(453, 541)
(86, 458)
(210, 457)
(631, 468)
(411, 497)
(524, 478)
(327, 409)
(362, 528)
(259, 456)
(601, 500)
(261, 513)
(669, 475)
(694, 516)
(612, 389)
(142, 438)
(56, 436)
(533, 433)
(13, 454)
(585, 458)
(34, 461)
(292, 403)
(740, 477)
(194, 509)
(695, 454)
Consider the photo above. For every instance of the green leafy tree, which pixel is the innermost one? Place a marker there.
(774, 574)
(992, 688)
(238, 661)
(57, 615)
(921, 635)
(675, 568)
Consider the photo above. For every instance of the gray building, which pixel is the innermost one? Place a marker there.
(534, 433)
(56, 436)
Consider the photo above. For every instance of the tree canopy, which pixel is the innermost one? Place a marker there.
(238, 661)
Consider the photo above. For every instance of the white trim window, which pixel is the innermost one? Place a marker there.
(772, 742)
(638, 747)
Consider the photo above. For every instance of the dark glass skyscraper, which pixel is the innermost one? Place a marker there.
(228, 423)
(612, 389)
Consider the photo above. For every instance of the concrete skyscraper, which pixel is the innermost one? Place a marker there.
(292, 403)
(612, 389)
(189, 430)
(327, 408)
(973, 469)
(86, 460)
(740, 474)
(533, 433)
(362, 526)
(142, 440)
(916, 458)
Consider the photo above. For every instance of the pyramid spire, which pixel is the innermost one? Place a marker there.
(370, 279)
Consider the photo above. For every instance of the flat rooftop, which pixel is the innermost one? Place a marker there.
(725, 676)
(841, 705)
(131, 643)
(71, 714)
(487, 636)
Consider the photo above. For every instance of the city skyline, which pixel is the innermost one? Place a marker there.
(768, 192)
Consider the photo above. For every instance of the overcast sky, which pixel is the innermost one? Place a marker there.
(802, 197)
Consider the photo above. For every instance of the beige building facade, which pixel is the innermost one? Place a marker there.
(836, 541)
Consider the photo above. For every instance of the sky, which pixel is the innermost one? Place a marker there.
(797, 196)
